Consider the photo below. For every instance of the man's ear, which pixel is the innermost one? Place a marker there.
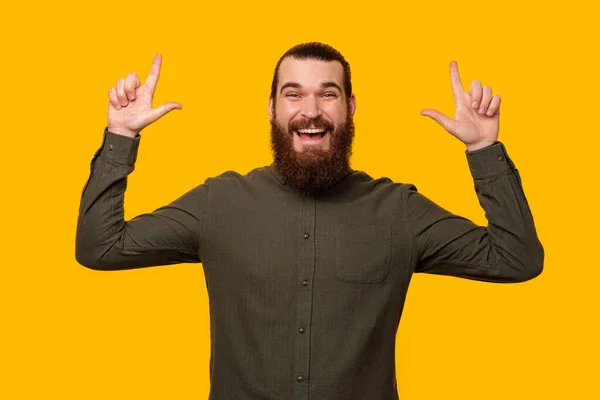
(270, 107)
(352, 104)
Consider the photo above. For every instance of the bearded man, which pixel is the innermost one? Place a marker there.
(307, 261)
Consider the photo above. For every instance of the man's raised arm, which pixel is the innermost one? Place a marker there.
(508, 249)
(104, 240)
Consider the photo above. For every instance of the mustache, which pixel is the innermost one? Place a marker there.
(317, 123)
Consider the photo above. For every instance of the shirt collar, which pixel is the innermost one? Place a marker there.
(273, 169)
(275, 172)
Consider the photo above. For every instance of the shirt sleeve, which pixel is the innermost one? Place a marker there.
(105, 241)
(507, 250)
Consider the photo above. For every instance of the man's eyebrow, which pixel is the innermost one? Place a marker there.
(331, 84)
(295, 85)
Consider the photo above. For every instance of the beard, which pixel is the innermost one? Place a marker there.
(312, 169)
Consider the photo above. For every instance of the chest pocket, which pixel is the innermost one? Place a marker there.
(362, 253)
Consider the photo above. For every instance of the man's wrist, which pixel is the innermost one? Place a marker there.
(479, 145)
(123, 131)
(120, 149)
(489, 161)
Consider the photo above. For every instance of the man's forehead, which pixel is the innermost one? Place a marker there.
(310, 71)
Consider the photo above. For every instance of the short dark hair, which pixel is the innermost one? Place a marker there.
(314, 51)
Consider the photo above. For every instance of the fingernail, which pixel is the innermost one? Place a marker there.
(130, 96)
(490, 112)
(481, 110)
(475, 104)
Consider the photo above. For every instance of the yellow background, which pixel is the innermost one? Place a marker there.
(68, 332)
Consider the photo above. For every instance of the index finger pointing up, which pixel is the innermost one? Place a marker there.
(457, 87)
(154, 74)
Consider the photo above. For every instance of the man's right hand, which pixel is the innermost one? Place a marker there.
(130, 107)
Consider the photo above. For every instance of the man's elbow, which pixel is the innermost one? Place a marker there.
(531, 268)
(89, 260)
(92, 259)
(527, 274)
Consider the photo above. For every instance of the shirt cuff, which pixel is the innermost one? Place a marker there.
(118, 148)
(489, 161)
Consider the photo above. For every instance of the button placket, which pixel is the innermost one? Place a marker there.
(306, 268)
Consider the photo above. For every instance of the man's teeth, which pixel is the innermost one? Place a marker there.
(311, 131)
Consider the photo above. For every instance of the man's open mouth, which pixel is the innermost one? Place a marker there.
(311, 133)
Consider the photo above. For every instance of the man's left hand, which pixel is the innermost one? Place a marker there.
(477, 115)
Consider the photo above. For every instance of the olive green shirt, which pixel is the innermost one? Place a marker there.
(306, 290)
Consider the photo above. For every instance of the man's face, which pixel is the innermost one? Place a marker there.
(311, 104)
(312, 125)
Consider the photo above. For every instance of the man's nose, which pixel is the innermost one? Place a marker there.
(310, 107)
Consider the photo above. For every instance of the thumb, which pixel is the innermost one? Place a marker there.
(160, 111)
(448, 123)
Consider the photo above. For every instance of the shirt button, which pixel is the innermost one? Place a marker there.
(306, 235)
(500, 158)
(110, 147)
(300, 378)
(302, 330)
(305, 283)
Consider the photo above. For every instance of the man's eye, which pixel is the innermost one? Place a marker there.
(292, 95)
(329, 94)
